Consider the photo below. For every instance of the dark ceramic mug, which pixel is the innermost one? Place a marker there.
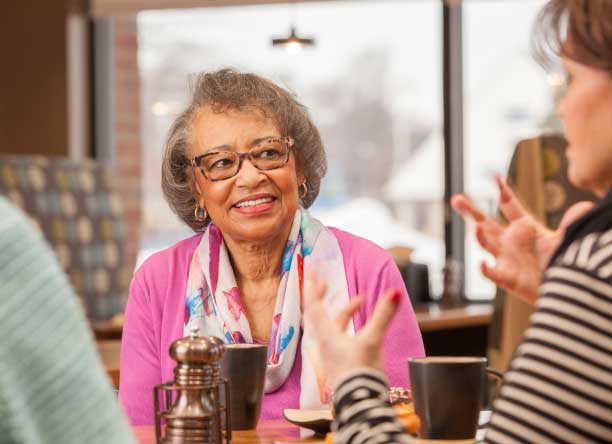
(244, 366)
(448, 393)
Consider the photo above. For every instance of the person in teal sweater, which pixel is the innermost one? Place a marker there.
(53, 388)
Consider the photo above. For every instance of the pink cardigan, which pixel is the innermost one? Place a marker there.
(155, 314)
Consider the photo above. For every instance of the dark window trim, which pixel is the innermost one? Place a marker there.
(103, 89)
(452, 71)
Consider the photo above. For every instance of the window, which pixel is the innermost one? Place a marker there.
(373, 87)
(507, 97)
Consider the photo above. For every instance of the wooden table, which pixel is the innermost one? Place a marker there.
(268, 432)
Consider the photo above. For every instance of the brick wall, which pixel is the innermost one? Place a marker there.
(128, 143)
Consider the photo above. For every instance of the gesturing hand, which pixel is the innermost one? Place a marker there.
(339, 352)
(523, 247)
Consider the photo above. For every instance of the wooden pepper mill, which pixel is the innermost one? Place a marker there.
(194, 412)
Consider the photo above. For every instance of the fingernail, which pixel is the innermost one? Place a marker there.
(395, 296)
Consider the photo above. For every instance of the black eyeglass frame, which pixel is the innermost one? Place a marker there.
(286, 140)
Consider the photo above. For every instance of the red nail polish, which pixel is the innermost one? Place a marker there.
(395, 296)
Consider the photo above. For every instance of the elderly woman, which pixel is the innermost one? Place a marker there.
(242, 164)
(559, 386)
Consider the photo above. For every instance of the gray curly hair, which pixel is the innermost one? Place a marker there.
(229, 89)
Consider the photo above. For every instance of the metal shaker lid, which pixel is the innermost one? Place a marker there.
(197, 349)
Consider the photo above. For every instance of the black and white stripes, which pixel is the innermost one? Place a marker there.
(559, 386)
(363, 413)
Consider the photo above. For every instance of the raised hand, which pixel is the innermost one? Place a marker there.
(522, 247)
(338, 352)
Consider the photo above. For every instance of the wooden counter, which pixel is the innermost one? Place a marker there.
(446, 331)
(458, 330)
(436, 317)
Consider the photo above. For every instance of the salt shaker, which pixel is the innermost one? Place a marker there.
(194, 410)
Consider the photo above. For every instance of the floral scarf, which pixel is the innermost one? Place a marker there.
(213, 301)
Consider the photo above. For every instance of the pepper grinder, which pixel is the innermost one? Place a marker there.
(194, 411)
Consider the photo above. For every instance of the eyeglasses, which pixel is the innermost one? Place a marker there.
(267, 155)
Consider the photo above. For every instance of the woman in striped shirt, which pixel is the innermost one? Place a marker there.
(559, 386)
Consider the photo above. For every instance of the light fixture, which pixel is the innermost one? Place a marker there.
(294, 43)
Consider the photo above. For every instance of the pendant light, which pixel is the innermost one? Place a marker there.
(293, 43)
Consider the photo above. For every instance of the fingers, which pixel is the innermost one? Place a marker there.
(343, 319)
(466, 208)
(385, 309)
(488, 230)
(509, 204)
(508, 281)
(488, 238)
(314, 310)
(499, 277)
(505, 192)
(314, 288)
(574, 213)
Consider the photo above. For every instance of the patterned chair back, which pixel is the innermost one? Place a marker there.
(74, 206)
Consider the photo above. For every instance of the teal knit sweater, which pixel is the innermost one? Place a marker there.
(53, 388)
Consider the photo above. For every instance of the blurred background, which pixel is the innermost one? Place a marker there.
(102, 81)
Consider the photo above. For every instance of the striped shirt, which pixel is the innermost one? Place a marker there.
(559, 386)
(52, 386)
(363, 413)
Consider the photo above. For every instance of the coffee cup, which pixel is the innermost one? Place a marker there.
(244, 366)
(448, 394)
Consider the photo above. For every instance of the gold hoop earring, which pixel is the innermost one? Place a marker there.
(200, 213)
(302, 190)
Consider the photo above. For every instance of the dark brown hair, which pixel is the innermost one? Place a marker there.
(228, 89)
(580, 30)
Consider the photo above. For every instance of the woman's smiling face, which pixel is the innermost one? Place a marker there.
(254, 205)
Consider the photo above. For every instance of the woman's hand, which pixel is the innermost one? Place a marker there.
(339, 352)
(523, 247)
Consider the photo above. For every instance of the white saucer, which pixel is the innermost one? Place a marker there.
(318, 421)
